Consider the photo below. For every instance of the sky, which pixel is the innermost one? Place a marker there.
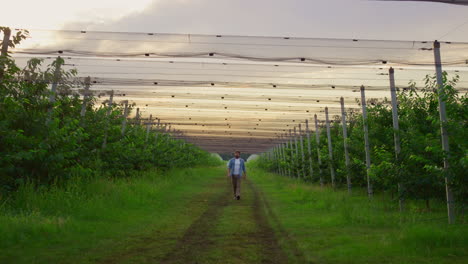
(295, 18)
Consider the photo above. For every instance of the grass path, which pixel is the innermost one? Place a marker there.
(189, 216)
(228, 231)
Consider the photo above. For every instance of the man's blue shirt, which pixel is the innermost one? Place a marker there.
(231, 166)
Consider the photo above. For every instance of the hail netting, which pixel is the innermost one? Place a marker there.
(226, 90)
(307, 50)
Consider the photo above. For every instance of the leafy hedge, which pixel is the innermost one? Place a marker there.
(48, 142)
(420, 165)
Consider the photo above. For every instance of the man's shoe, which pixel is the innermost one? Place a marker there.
(238, 197)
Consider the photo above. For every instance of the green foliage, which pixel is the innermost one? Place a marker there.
(47, 141)
(419, 166)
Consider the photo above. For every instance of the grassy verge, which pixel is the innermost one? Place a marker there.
(334, 227)
(89, 220)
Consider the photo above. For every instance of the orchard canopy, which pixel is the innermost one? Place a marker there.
(239, 92)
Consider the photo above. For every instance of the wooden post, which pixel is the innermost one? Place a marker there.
(309, 151)
(444, 133)
(109, 110)
(4, 51)
(330, 148)
(317, 139)
(124, 120)
(366, 140)
(396, 133)
(345, 143)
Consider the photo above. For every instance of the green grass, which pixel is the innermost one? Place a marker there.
(334, 227)
(235, 242)
(92, 219)
(143, 219)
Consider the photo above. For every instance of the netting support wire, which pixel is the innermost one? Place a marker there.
(443, 129)
(309, 152)
(366, 140)
(4, 52)
(396, 134)
(330, 149)
(345, 144)
(317, 139)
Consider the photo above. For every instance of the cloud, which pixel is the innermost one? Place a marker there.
(320, 18)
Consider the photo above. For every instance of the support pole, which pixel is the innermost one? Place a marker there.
(283, 152)
(303, 173)
(345, 143)
(148, 126)
(286, 146)
(296, 147)
(124, 120)
(309, 152)
(317, 139)
(278, 159)
(137, 116)
(396, 133)
(109, 109)
(53, 90)
(275, 153)
(330, 149)
(280, 155)
(87, 84)
(444, 133)
(366, 140)
(4, 52)
(291, 152)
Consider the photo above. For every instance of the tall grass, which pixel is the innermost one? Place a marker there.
(39, 225)
(332, 226)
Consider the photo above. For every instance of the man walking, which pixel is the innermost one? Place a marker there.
(236, 168)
